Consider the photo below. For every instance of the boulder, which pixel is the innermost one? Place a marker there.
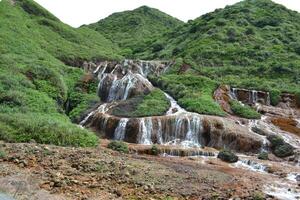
(228, 156)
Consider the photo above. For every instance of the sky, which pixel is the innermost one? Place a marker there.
(79, 12)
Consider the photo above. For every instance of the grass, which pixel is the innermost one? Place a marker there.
(244, 111)
(45, 129)
(194, 93)
(131, 29)
(37, 81)
(153, 104)
(118, 146)
(2, 154)
(253, 44)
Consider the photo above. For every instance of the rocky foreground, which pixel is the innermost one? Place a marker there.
(33, 171)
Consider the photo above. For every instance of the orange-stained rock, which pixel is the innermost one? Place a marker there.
(287, 124)
(222, 96)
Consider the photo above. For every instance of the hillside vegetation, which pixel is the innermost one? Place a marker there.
(136, 29)
(253, 44)
(35, 79)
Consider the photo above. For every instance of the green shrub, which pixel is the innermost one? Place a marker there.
(263, 156)
(154, 150)
(155, 103)
(227, 156)
(193, 92)
(45, 129)
(275, 140)
(258, 196)
(2, 154)
(118, 146)
(279, 147)
(244, 111)
(283, 150)
(275, 97)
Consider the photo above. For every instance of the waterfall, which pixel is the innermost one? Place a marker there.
(174, 108)
(254, 96)
(130, 84)
(254, 124)
(113, 89)
(268, 99)
(251, 165)
(193, 132)
(121, 129)
(145, 131)
(159, 132)
(233, 93)
(101, 109)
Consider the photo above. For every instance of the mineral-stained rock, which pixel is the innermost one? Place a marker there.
(287, 124)
(222, 96)
(209, 131)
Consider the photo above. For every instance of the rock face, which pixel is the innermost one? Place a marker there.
(288, 101)
(250, 97)
(278, 111)
(122, 80)
(287, 124)
(185, 129)
(222, 96)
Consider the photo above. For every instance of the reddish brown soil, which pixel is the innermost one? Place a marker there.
(32, 171)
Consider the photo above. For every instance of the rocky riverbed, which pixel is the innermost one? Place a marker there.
(33, 171)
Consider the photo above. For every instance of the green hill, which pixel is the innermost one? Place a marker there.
(35, 79)
(252, 44)
(136, 29)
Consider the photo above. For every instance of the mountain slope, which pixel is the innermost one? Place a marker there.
(130, 29)
(35, 82)
(254, 44)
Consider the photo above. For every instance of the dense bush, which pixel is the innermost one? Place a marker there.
(118, 146)
(263, 156)
(153, 104)
(244, 111)
(275, 97)
(194, 93)
(279, 147)
(227, 156)
(45, 129)
(154, 150)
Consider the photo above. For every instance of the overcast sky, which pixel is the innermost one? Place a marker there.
(78, 12)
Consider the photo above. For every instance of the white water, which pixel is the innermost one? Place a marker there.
(145, 131)
(121, 129)
(289, 138)
(282, 191)
(254, 123)
(293, 177)
(174, 108)
(253, 95)
(250, 165)
(101, 109)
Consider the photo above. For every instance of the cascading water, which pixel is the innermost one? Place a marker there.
(145, 131)
(174, 108)
(254, 124)
(251, 165)
(252, 96)
(121, 129)
(101, 109)
(119, 81)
